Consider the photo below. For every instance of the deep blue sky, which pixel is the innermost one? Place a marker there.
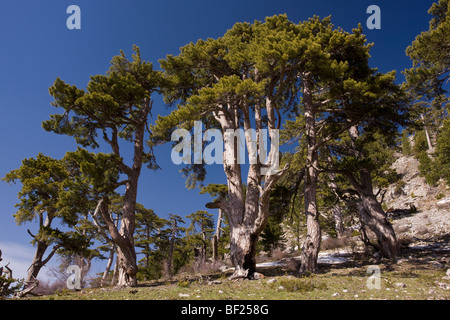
(36, 47)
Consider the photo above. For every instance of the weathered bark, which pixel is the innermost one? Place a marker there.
(126, 255)
(243, 251)
(115, 273)
(374, 216)
(102, 231)
(311, 245)
(371, 210)
(248, 210)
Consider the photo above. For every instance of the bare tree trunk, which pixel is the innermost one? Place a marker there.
(311, 246)
(36, 264)
(247, 208)
(115, 273)
(108, 264)
(336, 210)
(430, 147)
(215, 239)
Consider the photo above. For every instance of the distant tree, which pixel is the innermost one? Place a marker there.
(200, 232)
(148, 238)
(436, 165)
(406, 143)
(175, 232)
(219, 192)
(443, 152)
(420, 143)
(273, 235)
(60, 274)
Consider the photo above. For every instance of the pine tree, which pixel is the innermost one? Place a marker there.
(148, 231)
(236, 81)
(430, 73)
(219, 192)
(50, 191)
(116, 106)
(406, 143)
(174, 233)
(200, 232)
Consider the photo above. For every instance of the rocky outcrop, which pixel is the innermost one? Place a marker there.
(418, 211)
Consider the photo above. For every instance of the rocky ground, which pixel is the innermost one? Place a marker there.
(427, 227)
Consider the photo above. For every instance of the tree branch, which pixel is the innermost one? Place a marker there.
(32, 235)
(56, 247)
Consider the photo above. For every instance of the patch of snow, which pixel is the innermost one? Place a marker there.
(270, 264)
(331, 258)
(324, 258)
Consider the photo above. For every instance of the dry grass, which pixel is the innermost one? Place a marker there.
(415, 279)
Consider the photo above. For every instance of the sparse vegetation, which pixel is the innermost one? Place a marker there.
(401, 281)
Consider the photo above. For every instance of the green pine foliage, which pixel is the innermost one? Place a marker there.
(437, 165)
(443, 151)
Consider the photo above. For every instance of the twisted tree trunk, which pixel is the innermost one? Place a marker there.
(370, 208)
(375, 218)
(247, 208)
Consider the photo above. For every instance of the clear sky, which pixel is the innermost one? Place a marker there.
(36, 47)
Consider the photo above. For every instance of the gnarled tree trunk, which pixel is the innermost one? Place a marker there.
(124, 240)
(247, 208)
(375, 218)
(243, 251)
(38, 259)
(370, 209)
